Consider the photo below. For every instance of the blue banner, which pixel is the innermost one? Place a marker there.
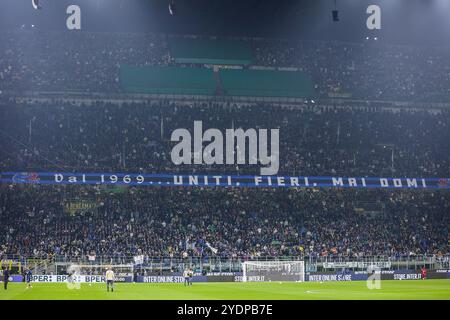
(220, 180)
(169, 279)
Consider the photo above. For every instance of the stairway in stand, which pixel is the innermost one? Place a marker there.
(219, 87)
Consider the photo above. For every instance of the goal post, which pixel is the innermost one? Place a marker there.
(261, 271)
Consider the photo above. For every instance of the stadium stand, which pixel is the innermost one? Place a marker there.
(129, 136)
(314, 140)
(245, 223)
(90, 62)
(239, 222)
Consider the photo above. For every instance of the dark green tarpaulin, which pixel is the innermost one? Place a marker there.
(167, 80)
(266, 83)
(208, 51)
(201, 81)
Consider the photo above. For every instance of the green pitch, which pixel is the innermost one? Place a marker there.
(412, 289)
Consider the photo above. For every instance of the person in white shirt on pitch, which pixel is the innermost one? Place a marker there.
(110, 279)
(186, 277)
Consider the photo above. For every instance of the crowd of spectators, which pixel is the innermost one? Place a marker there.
(368, 70)
(245, 223)
(314, 140)
(86, 62)
(90, 62)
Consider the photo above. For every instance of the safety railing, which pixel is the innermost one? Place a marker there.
(233, 264)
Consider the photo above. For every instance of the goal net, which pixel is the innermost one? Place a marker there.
(95, 269)
(273, 271)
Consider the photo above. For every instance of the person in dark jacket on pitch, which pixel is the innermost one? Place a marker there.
(5, 278)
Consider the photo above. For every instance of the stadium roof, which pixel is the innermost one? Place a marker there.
(403, 21)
